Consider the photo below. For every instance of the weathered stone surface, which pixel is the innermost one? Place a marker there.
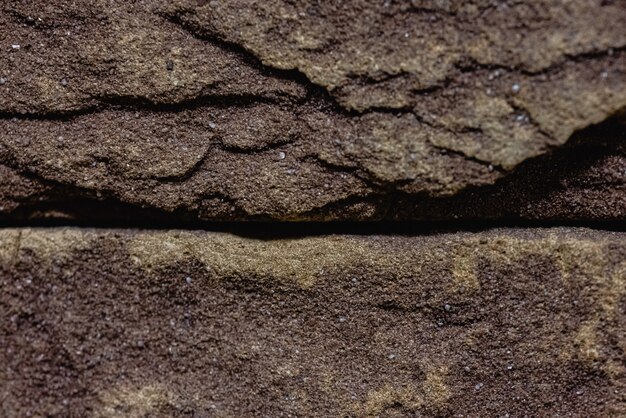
(583, 181)
(130, 323)
(303, 110)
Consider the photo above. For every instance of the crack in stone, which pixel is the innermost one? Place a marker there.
(323, 99)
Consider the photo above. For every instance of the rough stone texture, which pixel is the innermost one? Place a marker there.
(174, 113)
(583, 181)
(134, 324)
(312, 110)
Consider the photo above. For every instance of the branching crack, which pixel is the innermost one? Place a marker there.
(486, 163)
(317, 98)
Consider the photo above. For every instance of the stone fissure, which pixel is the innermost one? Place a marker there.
(312, 208)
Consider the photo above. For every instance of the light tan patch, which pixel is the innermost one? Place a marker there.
(55, 243)
(569, 254)
(303, 261)
(464, 270)
(133, 402)
(588, 339)
(436, 392)
(586, 342)
(387, 397)
(9, 245)
(48, 244)
(615, 289)
(433, 393)
(576, 259)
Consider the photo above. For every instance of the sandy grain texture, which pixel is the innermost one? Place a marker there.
(309, 110)
(113, 323)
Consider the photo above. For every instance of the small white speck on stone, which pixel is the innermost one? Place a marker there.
(579, 392)
(509, 367)
(406, 34)
(490, 168)
(515, 88)
(281, 155)
(64, 81)
(15, 46)
(447, 307)
(2, 80)
(478, 386)
(212, 125)
(391, 356)
(604, 74)
(466, 368)
(342, 319)
(188, 280)
(494, 75)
